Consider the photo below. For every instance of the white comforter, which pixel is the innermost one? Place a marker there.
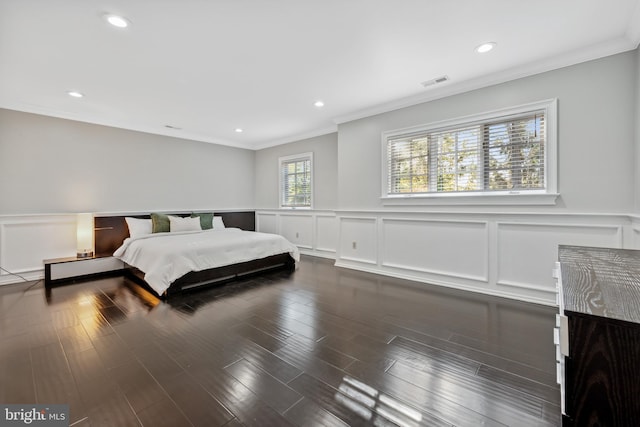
(164, 257)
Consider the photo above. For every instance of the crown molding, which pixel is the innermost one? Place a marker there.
(633, 28)
(628, 41)
(86, 118)
(600, 50)
(298, 137)
(173, 133)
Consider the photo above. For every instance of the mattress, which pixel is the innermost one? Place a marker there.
(165, 257)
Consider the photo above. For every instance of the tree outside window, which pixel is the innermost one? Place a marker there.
(505, 154)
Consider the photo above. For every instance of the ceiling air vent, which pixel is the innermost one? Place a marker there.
(435, 81)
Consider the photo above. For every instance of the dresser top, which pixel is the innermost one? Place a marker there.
(601, 281)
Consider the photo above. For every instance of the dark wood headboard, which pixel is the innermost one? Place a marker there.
(110, 231)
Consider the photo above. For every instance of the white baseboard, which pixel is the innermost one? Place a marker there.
(8, 279)
(508, 255)
(319, 254)
(502, 254)
(448, 284)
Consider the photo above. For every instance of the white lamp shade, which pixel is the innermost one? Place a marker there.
(85, 235)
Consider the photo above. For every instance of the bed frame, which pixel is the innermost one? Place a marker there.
(110, 232)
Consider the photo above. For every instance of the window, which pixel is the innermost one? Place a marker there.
(296, 178)
(504, 153)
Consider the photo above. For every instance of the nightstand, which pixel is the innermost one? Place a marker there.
(71, 269)
(598, 370)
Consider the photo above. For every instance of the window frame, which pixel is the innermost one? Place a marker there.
(546, 196)
(290, 159)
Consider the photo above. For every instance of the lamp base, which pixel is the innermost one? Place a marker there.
(85, 254)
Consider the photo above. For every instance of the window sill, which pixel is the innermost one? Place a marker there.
(484, 199)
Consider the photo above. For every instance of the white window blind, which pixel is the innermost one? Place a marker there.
(504, 153)
(296, 181)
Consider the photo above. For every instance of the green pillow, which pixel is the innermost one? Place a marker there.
(160, 223)
(206, 220)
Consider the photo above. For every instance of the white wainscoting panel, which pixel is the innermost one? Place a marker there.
(508, 255)
(358, 239)
(267, 222)
(298, 229)
(635, 232)
(326, 234)
(636, 238)
(527, 251)
(25, 241)
(314, 232)
(447, 248)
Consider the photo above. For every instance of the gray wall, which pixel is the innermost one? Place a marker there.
(50, 165)
(597, 132)
(325, 161)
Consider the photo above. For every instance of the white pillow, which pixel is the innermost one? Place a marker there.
(217, 223)
(177, 223)
(138, 227)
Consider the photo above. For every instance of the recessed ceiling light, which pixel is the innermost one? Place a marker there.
(75, 94)
(485, 47)
(319, 104)
(238, 130)
(117, 21)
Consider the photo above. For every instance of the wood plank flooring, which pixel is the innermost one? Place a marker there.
(322, 346)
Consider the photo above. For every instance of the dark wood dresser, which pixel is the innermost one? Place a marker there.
(598, 336)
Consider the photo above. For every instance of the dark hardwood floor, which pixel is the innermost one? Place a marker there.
(323, 346)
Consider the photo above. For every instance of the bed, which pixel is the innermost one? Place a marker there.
(173, 262)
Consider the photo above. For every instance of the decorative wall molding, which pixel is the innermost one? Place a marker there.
(267, 222)
(621, 44)
(636, 237)
(357, 239)
(418, 242)
(326, 235)
(503, 254)
(298, 228)
(538, 242)
(315, 232)
(25, 241)
(635, 231)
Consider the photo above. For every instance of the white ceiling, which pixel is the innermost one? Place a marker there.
(210, 67)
